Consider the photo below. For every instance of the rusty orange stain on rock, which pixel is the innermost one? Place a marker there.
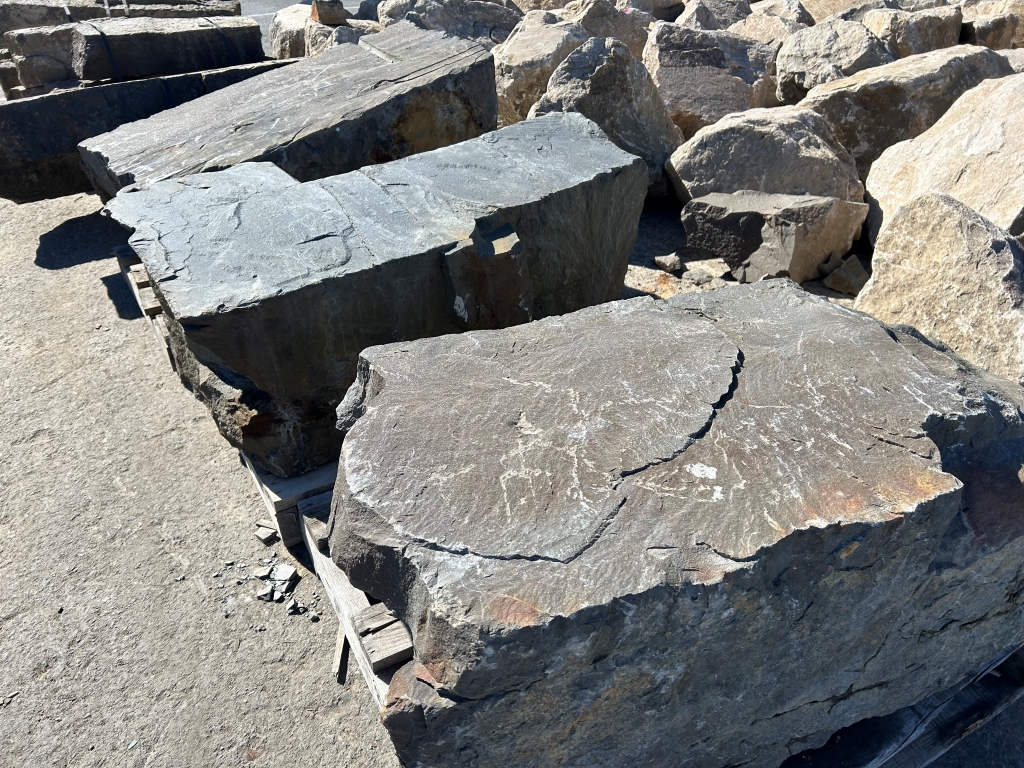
(513, 611)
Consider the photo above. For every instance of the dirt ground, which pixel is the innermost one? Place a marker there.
(116, 485)
(119, 644)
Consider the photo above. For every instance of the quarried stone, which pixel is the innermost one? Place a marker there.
(272, 288)
(906, 34)
(23, 14)
(288, 32)
(485, 22)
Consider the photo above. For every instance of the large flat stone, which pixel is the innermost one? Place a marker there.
(402, 91)
(39, 136)
(273, 287)
(22, 14)
(703, 533)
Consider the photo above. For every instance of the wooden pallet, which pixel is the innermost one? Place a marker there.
(142, 289)
(281, 495)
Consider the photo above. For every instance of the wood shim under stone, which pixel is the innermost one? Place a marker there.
(140, 285)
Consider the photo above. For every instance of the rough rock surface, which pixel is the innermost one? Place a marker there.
(524, 63)
(753, 518)
(605, 83)
(972, 9)
(42, 55)
(321, 37)
(703, 76)
(761, 235)
(274, 287)
(485, 22)
(713, 14)
(39, 136)
(288, 32)
(23, 14)
(996, 32)
(402, 91)
(767, 29)
(787, 150)
(825, 52)
(955, 276)
(974, 153)
(602, 19)
(791, 10)
(876, 108)
(906, 34)
(821, 10)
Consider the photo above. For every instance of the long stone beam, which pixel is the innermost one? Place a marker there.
(39, 136)
(273, 288)
(396, 93)
(22, 14)
(708, 532)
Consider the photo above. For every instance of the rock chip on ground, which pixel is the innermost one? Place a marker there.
(831, 50)
(974, 153)
(703, 76)
(524, 62)
(605, 83)
(791, 10)
(271, 288)
(288, 32)
(597, 553)
(398, 92)
(876, 108)
(786, 150)
(602, 19)
(761, 235)
(906, 34)
(767, 29)
(955, 276)
(484, 22)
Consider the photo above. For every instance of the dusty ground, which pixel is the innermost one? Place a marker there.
(115, 484)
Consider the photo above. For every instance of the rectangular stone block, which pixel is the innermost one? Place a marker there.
(706, 532)
(22, 14)
(39, 136)
(273, 287)
(396, 93)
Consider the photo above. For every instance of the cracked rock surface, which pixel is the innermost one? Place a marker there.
(749, 518)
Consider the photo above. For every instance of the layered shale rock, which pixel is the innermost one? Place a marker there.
(876, 108)
(703, 76)
(954, 275)
(604, 82)
(825, 52)
(787, 150)
(402, 91)
(761, 235)
(709, 532)
(973, 153)
(272, 288)
(39, 136)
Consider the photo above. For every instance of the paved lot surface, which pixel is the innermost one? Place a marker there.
(115, 485)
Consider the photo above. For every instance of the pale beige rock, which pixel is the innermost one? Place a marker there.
(975, 8)
(703, 76)
(600, 18)
(822, 9)
(791, 10)
(831, 50)
(997, 32)
(288, 32)
(604, 82)
(974, 153)
(319, 37)
(787, 150)
(524, 63)
(906, 34)
(483, 22)
(1015, 58)
(956, 277)
(767, 29)
(849, 278)
(876, 108)
(329, 12)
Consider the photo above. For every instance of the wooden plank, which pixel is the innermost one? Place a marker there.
(373, 619)
(285, 492)
(389, 646)
(126, 257)
(347, 601)
(315, 512)
(339, 666)
(148, 302)
(139, 275)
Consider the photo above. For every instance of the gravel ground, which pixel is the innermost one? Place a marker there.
(116, 485)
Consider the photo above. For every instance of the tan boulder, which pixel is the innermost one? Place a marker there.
(876, 108)
(997, 32)
(972, 9)
(288, 32)
(600, 18)
(767, 29)
(955, 276)
(787, 150)
(704, 75)
(974, 153)
(906, 34)
(831, 50)
(713, 14)
(791, 10)
(319, 37)
(524, 62)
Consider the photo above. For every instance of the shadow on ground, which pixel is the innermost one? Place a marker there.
(78, 241)
(121, 297)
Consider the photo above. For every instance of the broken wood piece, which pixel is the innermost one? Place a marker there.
(139, 275)
(148, 302)
(339, 666)
(388, 647)
(373, 619)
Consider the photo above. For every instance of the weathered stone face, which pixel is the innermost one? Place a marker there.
(703, 76)
(605, 83)
(767, 29)
(23, 14)
(486, 23)
(602, 19)
(787, 150)
(907, 34)
(288, 32)
(738, 527)
(274, 287)
(954, 275)
(791, 10)
(874, 109)
(714, 14)
(973, 153)
(402, 91)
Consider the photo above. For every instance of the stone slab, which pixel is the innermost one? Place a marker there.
(22, 14)
(708, 532)
(39, 136)
(396, 93)
(272, 287)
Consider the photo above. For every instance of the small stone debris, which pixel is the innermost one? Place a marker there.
(266, 523)
(217, 575)
(314, 617)
(670, 262)
(9, 698)
(266, 594)
(179, 578)
(295, 608)
(697, 276)
(133, 744)
(263, 573)
(266, 535)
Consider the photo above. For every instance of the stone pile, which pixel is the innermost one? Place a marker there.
(23, 14)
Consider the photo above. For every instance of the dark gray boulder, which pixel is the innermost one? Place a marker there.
(708, 532)
(272, 288)
(23, 14)
(396, 93)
